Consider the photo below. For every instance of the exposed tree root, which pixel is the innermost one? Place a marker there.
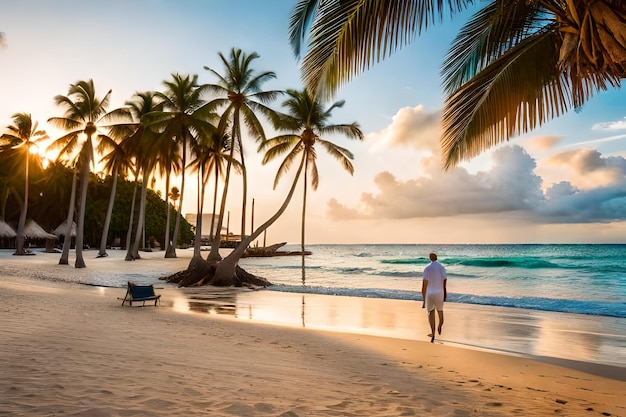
(202, 272)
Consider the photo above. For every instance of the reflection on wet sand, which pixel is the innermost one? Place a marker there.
(600, 340)
(214, 301)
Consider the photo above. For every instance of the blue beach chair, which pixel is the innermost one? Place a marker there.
(140, 293)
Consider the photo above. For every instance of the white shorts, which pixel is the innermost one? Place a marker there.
(434, 301)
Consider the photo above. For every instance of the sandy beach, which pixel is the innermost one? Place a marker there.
(73, 350)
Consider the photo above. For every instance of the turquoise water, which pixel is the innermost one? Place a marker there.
(584, 279)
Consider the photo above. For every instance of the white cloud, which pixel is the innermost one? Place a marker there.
(411, 127)
(615, 125)
(510, 186)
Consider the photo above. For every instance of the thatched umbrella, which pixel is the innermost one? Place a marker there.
(33, 231)
(6, 232)
(62, 228)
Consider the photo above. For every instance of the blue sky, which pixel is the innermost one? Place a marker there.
(564, 182)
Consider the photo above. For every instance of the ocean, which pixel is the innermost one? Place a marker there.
(584, 279)
(581, 278)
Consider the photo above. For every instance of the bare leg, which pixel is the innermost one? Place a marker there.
(431, 320)
(440, 321)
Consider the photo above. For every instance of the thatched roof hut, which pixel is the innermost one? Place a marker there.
(62, 228)
(33, 231)
(6, 232)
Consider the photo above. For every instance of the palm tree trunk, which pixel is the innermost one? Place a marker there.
(141, 219)
(3, 205)
(19, 250)
(244, 202)
(67, 242)
(214, 201)
(168, 216)
(303, 220)
(172, 253)
(225, 273)
(129, 232)
(214, 255)
(107, 219)
(84, 182)
(198, 239)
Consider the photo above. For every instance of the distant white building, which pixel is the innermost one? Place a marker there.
(206, 224)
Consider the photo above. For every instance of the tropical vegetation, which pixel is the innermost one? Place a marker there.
(104, 175)
(49, 196)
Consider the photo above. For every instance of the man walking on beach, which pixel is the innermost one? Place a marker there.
(434, 292)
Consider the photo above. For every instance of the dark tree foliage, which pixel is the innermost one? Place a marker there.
(49, 198)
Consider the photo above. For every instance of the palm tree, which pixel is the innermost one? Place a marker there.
(212, 153)
(174, 194)
(83, 111)
(119, 160)
(140, 144)
(514, 66)
(116, 162)
(182, 117)
(169, 162)
(240, 92)
(67, 241)
(309, 121)
(24, 134)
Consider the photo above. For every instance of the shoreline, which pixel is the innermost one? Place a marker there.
(72, 349)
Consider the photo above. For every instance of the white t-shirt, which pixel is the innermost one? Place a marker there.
(435, 274)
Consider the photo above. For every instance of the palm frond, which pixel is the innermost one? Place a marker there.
(252, 122)
(278, 146)
(512, 95)
(120, 115)
(343, 155)
(301, 18)
(266, 96)
(491, 32)
(286, 164)
(352, 131)
(314, 175)
(255, 83)
(66, 144)
(105, 143)
(348, 36)
(65, 123)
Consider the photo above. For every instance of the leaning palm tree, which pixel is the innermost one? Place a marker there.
(183, 115)
(307, 121)
(515, 65)
(83, 112)
(240, 92)
(24, 134)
